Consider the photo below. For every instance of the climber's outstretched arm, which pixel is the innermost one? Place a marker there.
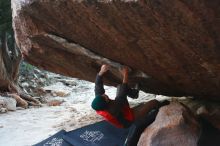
(99, 87)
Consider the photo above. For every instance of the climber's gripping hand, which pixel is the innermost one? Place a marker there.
(104, 69)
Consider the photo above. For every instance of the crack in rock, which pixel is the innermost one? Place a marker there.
(78, 49)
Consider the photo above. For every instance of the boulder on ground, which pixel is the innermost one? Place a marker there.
(58, 89)
(175, 125)
(54, 102)
(8, 103)
(60, 93)
(2, 109)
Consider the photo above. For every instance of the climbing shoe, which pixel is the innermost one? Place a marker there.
(137, 89)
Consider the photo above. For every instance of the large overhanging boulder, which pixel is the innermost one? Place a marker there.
(171, 46)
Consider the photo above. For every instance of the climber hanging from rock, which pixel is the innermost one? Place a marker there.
(115, 111)
(118, 111)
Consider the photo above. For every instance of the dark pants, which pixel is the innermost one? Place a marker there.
(116, 109)
(123, 90)
(115, 106)
(138, 127)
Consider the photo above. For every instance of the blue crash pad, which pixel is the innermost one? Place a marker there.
(98, 134)
(55, 140)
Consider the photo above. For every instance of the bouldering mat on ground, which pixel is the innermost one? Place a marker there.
(98, 134)
(55, 140)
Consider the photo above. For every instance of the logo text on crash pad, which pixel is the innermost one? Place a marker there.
(92, 136)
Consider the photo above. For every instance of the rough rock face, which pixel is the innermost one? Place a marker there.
(212, 115)
(174, 125)
(171, 46)
(208, 110)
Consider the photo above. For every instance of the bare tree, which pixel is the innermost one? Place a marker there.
(10, 55)
(9, 64)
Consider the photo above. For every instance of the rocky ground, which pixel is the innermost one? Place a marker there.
(65, 104)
